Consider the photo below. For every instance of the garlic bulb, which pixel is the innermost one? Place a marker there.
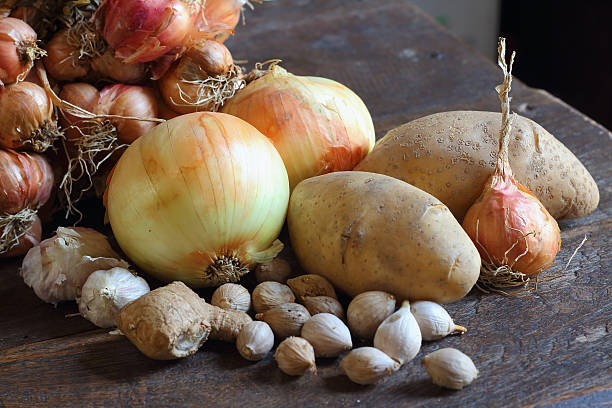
(366, 365)
(323, 304)
(450, 368)
(295, 356)
(106, 292)
(58, 267)
(277, 270)
(255, 340)
(399, 335)
(286, 319)
(327, 334)
(311, 285)
(232, 296)
(434, 321)
(269, 294)
(367, 311)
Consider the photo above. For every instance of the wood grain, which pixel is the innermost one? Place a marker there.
(546, 348)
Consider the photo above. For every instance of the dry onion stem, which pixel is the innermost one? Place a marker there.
(261, 69)
(77, 16)
(15, 226)
(212, 91)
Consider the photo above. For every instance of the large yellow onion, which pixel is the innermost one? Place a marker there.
(200, 198)
(317, 125)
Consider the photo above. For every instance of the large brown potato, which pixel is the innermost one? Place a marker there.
(451, 155)
(366, 231)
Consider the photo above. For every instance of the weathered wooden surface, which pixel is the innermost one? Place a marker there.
(547, 348)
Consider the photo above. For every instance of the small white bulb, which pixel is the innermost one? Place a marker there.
(434, 321)
(450, 368)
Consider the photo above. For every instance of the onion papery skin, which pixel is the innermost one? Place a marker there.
(26, 180)
(62, 61)
(14, 34)
(84, 96)
(194, 189)
(144, 30)
(130, 101)
(108, 66)
(220, 19)
(26, 117)
(502, 215)
(318, 125)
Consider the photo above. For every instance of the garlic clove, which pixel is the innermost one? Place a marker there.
(277, 270)
(367, 365)
(367, 311)
(399, 335)
(434, 321)
(450, 368)
(255, 340)
(295, 356)
(232, 296)
(269, 294)
(327, 334)
(323, 304)
(106, 292)
(311, 285)
(286, 319)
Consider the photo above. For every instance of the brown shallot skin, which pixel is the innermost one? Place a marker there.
(26, 181)
(507, 213)
(15, 37)
(109, 66)
(62, 61)
(30, 239)
(26, 117)
(212, 56)
(129, 101)
(82, 95)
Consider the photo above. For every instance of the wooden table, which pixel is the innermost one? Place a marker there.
(550, 347)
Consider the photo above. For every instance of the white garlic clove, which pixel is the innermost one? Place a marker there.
(277, 270)
(232, 296)
(269, 294)
(328, 335)
(295, 356)
(323, 304)
(450, 368)
(106, 292)
(434, 321)
(399, 335)
(367, 365)
(255, 340)
(311, 285)
(286, 319)
(367, 311)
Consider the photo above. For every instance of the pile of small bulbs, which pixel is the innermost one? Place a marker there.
(79, 264)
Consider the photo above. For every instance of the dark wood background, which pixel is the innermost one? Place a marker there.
(549, 347)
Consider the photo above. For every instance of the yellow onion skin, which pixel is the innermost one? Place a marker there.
(506, 212)
(25, 108)
(194, 189)
(318, 125)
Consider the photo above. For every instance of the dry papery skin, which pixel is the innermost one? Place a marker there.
(277, 270)
(255, 340)
(173, 321)
(450, 368)
(399, 335)
(367, 365)
(434, 321)
(365, 231)
(286, 319)
(232, 296)
(311, 285)
(323, 304)
(269, 294)
(327, 334)
(295, 356)
(367, 311)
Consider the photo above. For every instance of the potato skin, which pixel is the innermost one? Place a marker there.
(366, 231)
(451, 155)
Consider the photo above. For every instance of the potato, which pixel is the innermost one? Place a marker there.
(366, 231)
(451, 155)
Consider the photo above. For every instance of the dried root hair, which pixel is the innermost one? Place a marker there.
(212, 91)
(226, 268)
(98, 142)
(77, 17)
(15, 226)
(261, 69)
(43, 138)
(29, 51)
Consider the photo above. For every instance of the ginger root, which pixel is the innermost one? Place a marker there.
(173, 321)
